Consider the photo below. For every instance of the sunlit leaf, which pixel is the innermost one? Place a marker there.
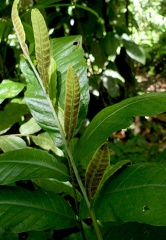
(10, 89)
(10, 143)
(72, 102)
(29, 127)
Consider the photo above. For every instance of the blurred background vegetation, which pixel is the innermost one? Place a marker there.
(125, 48)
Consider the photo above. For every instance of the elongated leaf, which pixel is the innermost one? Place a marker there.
(28, 163)
(19, 27)
(39, 105)
(136, 194)
(114, 118)
(72, 102)
(10, 143)
(42, 45)
(65, 51)
(96, 169)
(22, 210)
(9, 89)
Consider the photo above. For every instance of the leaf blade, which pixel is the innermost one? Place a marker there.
(72, 102)
(96, 169)
(27, 163)
(42, 45)
(116, 117)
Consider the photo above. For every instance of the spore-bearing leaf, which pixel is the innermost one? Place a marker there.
(96, 169)
(42, 45)
(72, 102)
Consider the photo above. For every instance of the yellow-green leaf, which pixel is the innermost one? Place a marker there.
(96, 169)
(19, 27)
(72, 102)
(52, 86)
(42, 45)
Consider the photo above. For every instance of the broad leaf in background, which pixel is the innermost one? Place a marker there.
(39, 105)
(116, 117)
(10, 143)
(30, 163)
(65, 51)
(44, 141)
(12, 114)
(133, 50)
(10, 89)
(137, 194)
(35, 210)
(72, 102)
(29, 127)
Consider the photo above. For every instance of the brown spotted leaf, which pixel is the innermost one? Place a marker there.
(72, 102)
(19, 28)
(96, 169)
(42, 45)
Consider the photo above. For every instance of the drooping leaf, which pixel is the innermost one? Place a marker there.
(22, 210)
(137, 194)
(116, 117)
(28, 163)
(11, 114)
(96, 169)
(10, 143)
(45, 141)
(65, 51)
(19, 28)
(133, 50)
(29, 127)
(42, 45)
(10, 89)
(38, 103)
(72, 102)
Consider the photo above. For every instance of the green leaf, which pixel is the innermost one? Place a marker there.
(19, 27)
(10, 143)
(42, 45)
(39, 105)
(10, 89)
(133, 50)
(72, 102)
(12, 114)
(28, 163)
(137, 193)
(133, 231)
(53, 185)
(96, 169)
(29, 127)
(65, 51)
(52, 86)
(22, 210)
(45, 141)
(116, 117)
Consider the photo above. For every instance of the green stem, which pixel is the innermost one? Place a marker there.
(95, 224)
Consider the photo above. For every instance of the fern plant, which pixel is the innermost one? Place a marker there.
(57, 97)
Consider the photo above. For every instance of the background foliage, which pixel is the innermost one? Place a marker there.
(124, 44)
